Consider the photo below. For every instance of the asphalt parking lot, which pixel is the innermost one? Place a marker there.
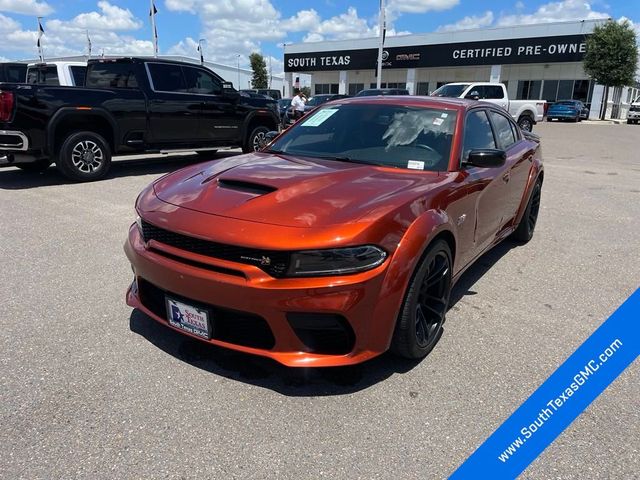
(90, 389)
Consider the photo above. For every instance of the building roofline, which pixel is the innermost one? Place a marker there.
(571, 27)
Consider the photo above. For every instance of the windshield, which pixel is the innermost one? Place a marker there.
(315, 101)
(452, 91)
(386, 135)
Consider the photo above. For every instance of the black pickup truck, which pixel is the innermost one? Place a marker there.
(127, 106)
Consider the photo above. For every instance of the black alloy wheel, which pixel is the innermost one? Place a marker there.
(421, 320)
(525, 123)
(84, 156)
(527, 225)
(256, 140)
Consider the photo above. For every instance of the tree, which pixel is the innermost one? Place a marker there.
(612, 56)
(259, 67)
(306, 91)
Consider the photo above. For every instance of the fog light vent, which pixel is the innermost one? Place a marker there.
(324, 333)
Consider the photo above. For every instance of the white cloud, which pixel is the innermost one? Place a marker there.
(64, 38)
(26, 7)
(554, 12)
(301, 21)
(420, 6)
(111, 18)
(472, 21)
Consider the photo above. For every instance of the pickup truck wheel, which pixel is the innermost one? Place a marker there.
(35, 167)
(525, 122)
(84, 156)
(256, 140)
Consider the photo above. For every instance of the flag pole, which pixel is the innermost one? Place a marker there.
(152, 13)
(88, 43)
(381, 30)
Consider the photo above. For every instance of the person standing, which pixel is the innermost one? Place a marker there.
(297, 103)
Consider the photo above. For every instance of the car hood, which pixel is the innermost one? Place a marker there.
(293, 191)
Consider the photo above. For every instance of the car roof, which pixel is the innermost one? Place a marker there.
(416, 101)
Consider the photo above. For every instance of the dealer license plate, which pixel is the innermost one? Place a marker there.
(188, 318)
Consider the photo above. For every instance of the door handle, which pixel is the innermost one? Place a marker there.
(506, 177)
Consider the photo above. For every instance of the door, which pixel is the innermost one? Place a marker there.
(491, 184)
(519, 157)
(220, 118)
(173, 110)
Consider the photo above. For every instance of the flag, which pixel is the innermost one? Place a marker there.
(40, 34)
(201, 54)
(152, 14)
(89, 42)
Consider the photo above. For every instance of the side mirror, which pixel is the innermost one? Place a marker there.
(486, 158)
(473, 95)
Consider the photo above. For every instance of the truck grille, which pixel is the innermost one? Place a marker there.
(275, 263)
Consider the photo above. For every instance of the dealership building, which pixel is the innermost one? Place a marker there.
(542, 61)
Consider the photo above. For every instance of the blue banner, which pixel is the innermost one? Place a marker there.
(560, 399)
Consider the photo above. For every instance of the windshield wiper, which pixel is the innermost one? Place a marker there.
(343, 158)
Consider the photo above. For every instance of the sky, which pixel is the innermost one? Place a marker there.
(232, 28)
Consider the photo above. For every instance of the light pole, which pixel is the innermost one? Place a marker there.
(238, 57)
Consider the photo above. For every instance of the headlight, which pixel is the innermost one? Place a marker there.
(339, 261)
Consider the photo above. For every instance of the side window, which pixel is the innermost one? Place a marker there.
(111, 75)
(78, 73)
(167, 77)
(477, 133)
(503, 130)
(494, 92)
(200, 81)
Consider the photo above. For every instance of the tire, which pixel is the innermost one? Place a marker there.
(524, 232)
(420, 323)
(35, 167)
(256, 140)
(84, 157)
(525, 122)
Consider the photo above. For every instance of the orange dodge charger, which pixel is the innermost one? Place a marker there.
(342, 238)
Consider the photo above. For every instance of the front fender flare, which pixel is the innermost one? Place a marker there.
(404, 263)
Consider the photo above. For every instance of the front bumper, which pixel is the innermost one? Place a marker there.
(232, 287)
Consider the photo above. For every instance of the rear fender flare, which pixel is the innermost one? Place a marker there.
(67, 112)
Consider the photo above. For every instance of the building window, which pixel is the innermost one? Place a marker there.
(422, 88)
(354, 88)
(581, 90)
(389, 85)
(565, 90)
(529, 89)
(323, 88)
(550, 90)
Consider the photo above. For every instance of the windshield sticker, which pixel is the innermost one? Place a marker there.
(320, 117)
(444, 115)
(415, 165)
(438, 121)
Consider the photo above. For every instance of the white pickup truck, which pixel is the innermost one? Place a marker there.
(526, 112)
(66, 74)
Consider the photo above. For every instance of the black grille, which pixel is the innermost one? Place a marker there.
(275, 263)
(239, 328)
(323, 332)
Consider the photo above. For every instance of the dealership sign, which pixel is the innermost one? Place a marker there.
(567, 48)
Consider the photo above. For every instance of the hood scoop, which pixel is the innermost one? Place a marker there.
(246, 187)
